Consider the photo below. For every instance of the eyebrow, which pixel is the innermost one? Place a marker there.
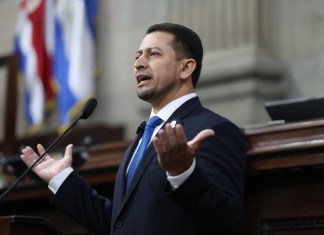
(147, 49)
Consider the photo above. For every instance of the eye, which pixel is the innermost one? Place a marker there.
(137, 56)
(154, 53)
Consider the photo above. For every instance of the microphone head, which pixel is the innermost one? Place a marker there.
(88, 108)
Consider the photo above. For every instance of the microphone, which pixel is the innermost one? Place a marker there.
(141, 127)
(87, 109)
(84, 114)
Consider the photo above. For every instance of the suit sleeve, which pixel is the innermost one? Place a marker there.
(81, 202)
(213, 194)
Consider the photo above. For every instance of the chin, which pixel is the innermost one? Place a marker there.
(145, 95)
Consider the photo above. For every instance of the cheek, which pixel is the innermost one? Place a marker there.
(164, 72)
(168, 69)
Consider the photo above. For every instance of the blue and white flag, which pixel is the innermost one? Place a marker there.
(74, 55)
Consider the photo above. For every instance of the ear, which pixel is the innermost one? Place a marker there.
(188, 66)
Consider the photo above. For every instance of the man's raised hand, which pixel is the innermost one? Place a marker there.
(47, 168)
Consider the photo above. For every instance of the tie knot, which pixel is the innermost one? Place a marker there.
(154, 121)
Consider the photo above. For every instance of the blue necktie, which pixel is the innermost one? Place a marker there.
(149, 128)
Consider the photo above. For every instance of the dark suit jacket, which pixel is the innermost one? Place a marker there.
(210, 201)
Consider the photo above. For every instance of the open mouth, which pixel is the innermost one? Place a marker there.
(141, 79)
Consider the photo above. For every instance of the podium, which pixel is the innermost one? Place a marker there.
(18, 225)
(285, 185)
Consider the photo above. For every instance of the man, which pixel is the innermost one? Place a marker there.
(179, 186)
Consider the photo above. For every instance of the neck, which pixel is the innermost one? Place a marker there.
(157, 105)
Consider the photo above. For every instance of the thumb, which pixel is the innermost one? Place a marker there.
(68, 154)
(199, 138)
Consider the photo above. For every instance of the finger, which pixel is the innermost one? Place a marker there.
(159, 148)
(171, 141)
(157, 145)
(26, 160)
(29, 156)
(163, 140)
(42, 153)
(29, 153)
(41, 149)
(200, 137)
(180, 135)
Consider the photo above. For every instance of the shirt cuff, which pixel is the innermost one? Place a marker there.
(58, 180)
(176, 181)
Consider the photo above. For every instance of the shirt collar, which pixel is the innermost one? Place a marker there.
(169, 109)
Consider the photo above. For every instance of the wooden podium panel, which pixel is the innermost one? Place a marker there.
(285, 180)
(21, 225)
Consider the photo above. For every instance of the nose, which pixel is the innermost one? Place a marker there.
(140, 63)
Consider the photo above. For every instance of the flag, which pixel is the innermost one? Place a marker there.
(34, 46)
(74, 55)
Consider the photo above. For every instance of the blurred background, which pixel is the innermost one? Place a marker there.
(255, 51)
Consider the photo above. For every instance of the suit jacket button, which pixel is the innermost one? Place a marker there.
(119, 224)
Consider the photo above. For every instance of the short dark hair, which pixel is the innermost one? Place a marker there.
(186, 44)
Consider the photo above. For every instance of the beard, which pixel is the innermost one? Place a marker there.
(155, 93)
(146, 95)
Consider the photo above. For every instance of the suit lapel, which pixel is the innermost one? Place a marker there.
(120, 182)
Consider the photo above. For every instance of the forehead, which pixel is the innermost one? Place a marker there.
(157, 39)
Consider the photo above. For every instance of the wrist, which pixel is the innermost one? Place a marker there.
(180, 169)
